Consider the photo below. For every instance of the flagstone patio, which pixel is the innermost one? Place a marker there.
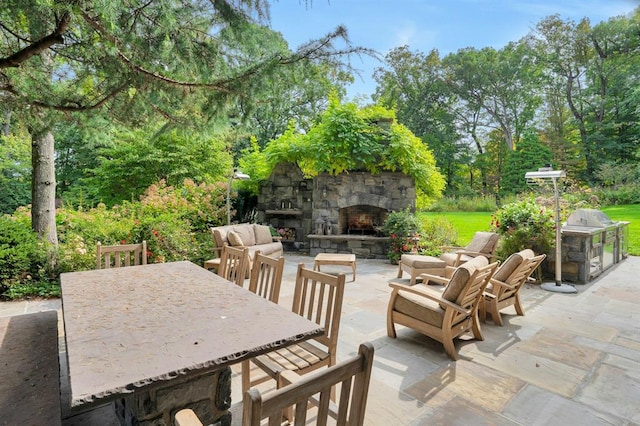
(572, 359)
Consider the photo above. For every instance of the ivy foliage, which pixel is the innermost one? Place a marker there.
(346, 139)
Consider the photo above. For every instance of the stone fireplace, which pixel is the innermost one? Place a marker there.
(334, 213)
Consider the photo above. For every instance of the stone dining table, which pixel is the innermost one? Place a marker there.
(157, 338)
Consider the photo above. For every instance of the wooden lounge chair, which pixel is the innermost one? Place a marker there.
(121, 255)
(482, 244)
(442, 315)
(504, 287)
(352, 376)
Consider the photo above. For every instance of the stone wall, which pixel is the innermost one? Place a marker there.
(288, 201)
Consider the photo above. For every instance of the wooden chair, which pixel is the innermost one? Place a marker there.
(121, 255)
(504, 287)
(353, 377)
(234, 262)
(266, 276)
(482, 244)
(443, 316)
(317, 297)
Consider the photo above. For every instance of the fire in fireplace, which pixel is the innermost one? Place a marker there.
(361, 219)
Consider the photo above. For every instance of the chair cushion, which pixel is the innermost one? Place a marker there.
(262, 233)
(234, 239)
(421, 308)
(246, 234)
(421, 262)
(461, 276)
(483, 242)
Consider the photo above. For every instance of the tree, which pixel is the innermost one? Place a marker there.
(529, 155)
(184, 60)
(412, 84)
(499, 83)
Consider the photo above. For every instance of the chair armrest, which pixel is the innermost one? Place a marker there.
(274, 238)
(436, 278)
(451, 248)
(502, 284)
(434, 295)
(472, 253)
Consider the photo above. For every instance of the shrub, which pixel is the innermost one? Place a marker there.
(401, 227)
(524, 224)
(23, 259)
(435, 233)
(407, 233)
(482, 203)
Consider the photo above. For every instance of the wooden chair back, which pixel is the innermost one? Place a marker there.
(351, 376)
(121, 255)
(266, 276)
(470, 296)
(505, 285)
(314, 389)
(234, 262)
(318, 297)
(519, 277)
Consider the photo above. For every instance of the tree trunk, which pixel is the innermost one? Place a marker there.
(43, 187)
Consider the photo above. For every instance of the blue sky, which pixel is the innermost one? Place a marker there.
(445, 25)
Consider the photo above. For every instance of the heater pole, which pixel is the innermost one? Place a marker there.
(558, 236)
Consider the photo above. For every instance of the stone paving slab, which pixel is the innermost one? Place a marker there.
(572, 359)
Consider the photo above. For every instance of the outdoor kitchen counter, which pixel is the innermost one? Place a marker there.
(130, 330)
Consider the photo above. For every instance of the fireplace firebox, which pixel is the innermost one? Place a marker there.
(361, 220)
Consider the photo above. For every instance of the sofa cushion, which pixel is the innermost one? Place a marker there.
(234, 238)
(273, 249)
(220, 235)
(246, 234)
(460, 278)
(263, 234)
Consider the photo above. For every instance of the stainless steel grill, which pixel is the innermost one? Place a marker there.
(591, 243)
(589, 217)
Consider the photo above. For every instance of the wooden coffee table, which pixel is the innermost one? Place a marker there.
(335, 259)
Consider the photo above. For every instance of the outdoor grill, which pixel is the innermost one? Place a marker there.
(591, 243)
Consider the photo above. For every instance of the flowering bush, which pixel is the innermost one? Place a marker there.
(401, 227)
(524, 224)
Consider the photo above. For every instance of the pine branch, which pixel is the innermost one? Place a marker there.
(39, 46)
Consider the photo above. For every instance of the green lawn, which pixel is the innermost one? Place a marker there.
(629, 213)
(467, 223)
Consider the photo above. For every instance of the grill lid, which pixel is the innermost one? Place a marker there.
(590, 218)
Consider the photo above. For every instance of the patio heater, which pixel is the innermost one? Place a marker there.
(236, 175)
(546, 174)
